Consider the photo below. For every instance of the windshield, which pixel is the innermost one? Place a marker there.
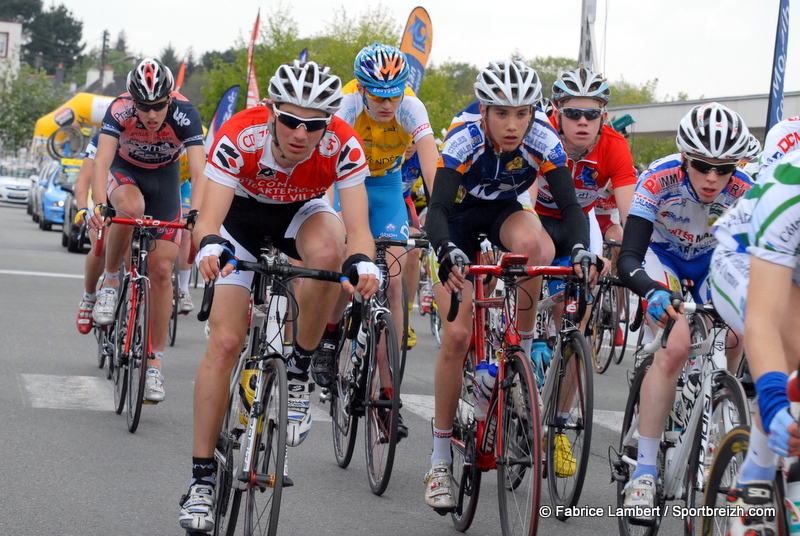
(66, 176)
(17, 172)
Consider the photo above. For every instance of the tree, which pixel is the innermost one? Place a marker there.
(646, 150)
(169, 57)
(549, 69)
(446, 90)
(55, 37)
(122, 42)
(623, 92)
(22, 11)
(25, 98)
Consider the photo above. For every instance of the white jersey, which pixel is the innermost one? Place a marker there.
(781, 139)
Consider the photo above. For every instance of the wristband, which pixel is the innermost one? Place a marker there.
(353, 259)
(771, 390)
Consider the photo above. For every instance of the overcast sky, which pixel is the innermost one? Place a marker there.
(704, 48)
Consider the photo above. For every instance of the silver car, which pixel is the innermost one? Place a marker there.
(15, 182)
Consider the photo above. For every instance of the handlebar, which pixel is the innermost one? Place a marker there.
(410, 243)
(660, 340)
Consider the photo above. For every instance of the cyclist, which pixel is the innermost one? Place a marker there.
(757, 262)
(268, 171)
(93, 267)
(669, 229)
(782, 138)
(492, 153)
(136, 171)
(185, 304)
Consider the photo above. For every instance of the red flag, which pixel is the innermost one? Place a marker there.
(252, 84)
(179, 80)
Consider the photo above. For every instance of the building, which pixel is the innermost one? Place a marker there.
(10, 45)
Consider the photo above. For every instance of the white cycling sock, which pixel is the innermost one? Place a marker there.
(648, 455)
(759, 462)
(526, 340)
(441, 446)
(183, 280)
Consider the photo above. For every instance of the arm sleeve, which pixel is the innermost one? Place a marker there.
(635, 242)
(445, 189)
(563, 190)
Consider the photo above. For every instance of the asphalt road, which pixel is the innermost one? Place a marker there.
(70, 466)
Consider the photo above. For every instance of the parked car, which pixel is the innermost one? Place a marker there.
(38, 183)
(71, 236)
(51, 208)
(15, 182)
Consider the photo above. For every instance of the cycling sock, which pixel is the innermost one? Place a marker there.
(759, 462)
(526, 340)
(183, 279)
(204, 470)
(107, 276)
(89, 297)
(158, 355)
(298, 364)
(648, 455)
(441, 446)
(772, 398)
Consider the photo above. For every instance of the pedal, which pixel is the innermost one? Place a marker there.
(149, 402)
(287, 482)
(619, 472)
(444, 511)
(324, 395)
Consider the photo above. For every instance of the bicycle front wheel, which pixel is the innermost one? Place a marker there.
(139, 346)
(722, 478)
(519, 460)
(569, 423)
(176, 297)
(603, 330)
(118, 361)
(267, 475)
(623, 321)
(382, 408)
(466, 475)
(344, 392)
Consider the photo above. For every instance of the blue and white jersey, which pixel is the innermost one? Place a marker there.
(681, 221)
(467, 149)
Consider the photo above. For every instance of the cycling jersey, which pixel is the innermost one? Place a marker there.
(609, 160)
(150, 150)
(782, 138)
(486, 176)
(241, 158)
(385, 143)
(412, 172)
(681, 222)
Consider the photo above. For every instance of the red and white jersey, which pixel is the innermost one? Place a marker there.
(241, 158)
(151, 150)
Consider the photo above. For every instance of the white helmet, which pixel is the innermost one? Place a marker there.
(581, 83)
(307, 85)
(713, 131)
(753, 149)
(508, 83)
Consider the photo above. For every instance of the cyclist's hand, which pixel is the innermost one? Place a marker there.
(579, 254)
(659, 306)
(214, 252)
(449, 274)
(368, 279)
(101, 213)
(82, 216)
(780, 439)
(191, 218)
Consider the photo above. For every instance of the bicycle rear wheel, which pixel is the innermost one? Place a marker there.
(519, 460)
(628, 448)
(604, 327)
(623, 321)
(266, 473)
(466, 475)
(401, 366)
(176, 298)
(119, 368)
(226, 452)
(436, 323)
(139, 336)
(568, 418)
(382, 407)
(344, 393)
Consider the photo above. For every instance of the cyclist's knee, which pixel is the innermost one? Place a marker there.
(226, 343)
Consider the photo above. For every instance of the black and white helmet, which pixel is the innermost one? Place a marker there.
(150, 80)
(581, 82)
(713, 131)
(753, 149)
(307, 85)
(508, 83)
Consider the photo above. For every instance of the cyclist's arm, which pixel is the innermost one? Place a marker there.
(197, 163)
(428, 158)
(635, 242)
(624, 197)
(82, 183)
(445, 189)
(562, 188)
(106, 150)
(355, 215)
(217, 200)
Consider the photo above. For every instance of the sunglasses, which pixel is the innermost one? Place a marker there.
(575, 113)
(157, 107)
(376, 98)
(293, 122)
(706, 167)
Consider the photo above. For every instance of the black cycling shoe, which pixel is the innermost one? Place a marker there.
(322, 365)
(402, 429)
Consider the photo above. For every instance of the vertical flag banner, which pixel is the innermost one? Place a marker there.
(303, 55)
(179, 79)
(775, 106)
(252, 84)
(416, 44)
(225, 109)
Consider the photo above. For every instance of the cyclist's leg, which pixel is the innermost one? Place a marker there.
(184, 266)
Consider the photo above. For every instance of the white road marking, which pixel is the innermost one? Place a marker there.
(41, 274)
(66, 392)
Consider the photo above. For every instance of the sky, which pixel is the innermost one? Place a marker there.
(703, 48)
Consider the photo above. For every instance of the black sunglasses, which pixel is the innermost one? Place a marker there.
(575, 113)
(157, 107)
(292, 121)
(706, 167)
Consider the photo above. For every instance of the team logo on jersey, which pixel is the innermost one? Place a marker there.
(516, 163)
(251, 138)
(329, 144)
(227, 157)
(351, 157)
(180, 118)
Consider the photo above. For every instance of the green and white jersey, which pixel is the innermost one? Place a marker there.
(766, 221)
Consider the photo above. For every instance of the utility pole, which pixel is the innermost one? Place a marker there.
(588, 15)
(104, 51)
